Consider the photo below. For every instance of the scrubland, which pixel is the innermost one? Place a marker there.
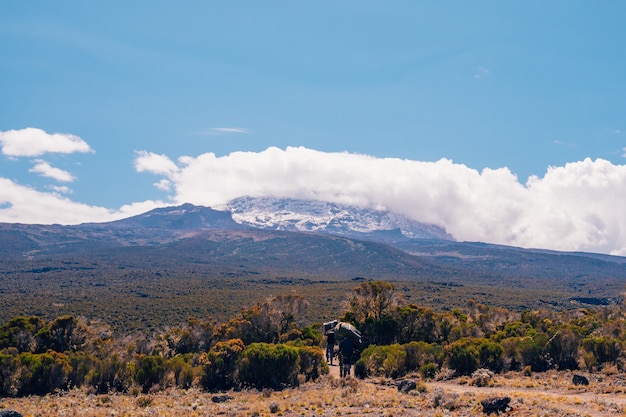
(264, 361)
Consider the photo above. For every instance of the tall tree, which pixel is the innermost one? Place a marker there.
(372, 300)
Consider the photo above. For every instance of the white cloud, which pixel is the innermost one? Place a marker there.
(46, 170)
(21, 204)
(36, 142)
(61, 189)
(165, 185)
(216, 131)
(574, 207)
(154, 163)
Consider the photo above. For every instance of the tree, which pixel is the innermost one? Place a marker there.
(285, 310)
(373, 300)
(265, 322)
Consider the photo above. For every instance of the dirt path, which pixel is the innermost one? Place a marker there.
(573, 401)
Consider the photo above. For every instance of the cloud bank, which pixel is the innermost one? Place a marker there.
(576, 207)
(21, 204)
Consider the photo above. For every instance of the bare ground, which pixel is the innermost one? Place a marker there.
(548, 394)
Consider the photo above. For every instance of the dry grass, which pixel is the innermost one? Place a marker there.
(550, 394)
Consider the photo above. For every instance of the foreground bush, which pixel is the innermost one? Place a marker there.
(33, 373)
(220, 365)
(265, 365)
(389, 361)
(312, 363)
(150, 371)
(463, 356)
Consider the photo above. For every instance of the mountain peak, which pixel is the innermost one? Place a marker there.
(330, 218)
(184, 217)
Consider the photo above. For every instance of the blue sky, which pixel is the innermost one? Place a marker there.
(452, 91)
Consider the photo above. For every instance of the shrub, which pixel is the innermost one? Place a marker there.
(520, 352)
(19, 333)
(65, 333)
(311, 336)
(386, 360)
(42, 373)
(463, 356)
(419, 354)
(601, 349)
(428, 370)
(9, 366)
(220, 365)
(182, 370)
(110, 374)
(312, 363)
(360, 370)
(265, 365)
(82, 365)
(563, 349)
(150, 371)
(491, 355)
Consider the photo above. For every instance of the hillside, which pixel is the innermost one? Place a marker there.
(171, 263)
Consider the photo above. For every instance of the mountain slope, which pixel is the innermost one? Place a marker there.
(337, 241)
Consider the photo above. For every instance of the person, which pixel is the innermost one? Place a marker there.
(330, 346)
(346, 350)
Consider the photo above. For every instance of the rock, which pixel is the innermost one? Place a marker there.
(221, 398)
(495, 405)
(9, 413)
(580, 380)
(406, 385)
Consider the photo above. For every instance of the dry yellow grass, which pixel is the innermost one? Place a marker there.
(331, 396)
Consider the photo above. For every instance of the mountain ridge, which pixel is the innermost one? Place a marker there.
(304, 221)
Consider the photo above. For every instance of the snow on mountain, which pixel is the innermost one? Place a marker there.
(322, 217)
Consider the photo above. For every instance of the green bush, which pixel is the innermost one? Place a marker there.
(110, 374)
(490, 354)
(463, 356)
(19, 333)
(563, 349)
(82, 365)
(9, 367)
(520, 352)
(388, 360)
(360, 370)
(42, 373)
(220, 365)
(265, 365)
(312, 363)
(602, 349)
(63, 334)
(419, 354)
(428, 370)
(150, 371)
(182, 369)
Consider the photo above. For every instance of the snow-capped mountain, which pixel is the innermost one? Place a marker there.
(322, 217)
